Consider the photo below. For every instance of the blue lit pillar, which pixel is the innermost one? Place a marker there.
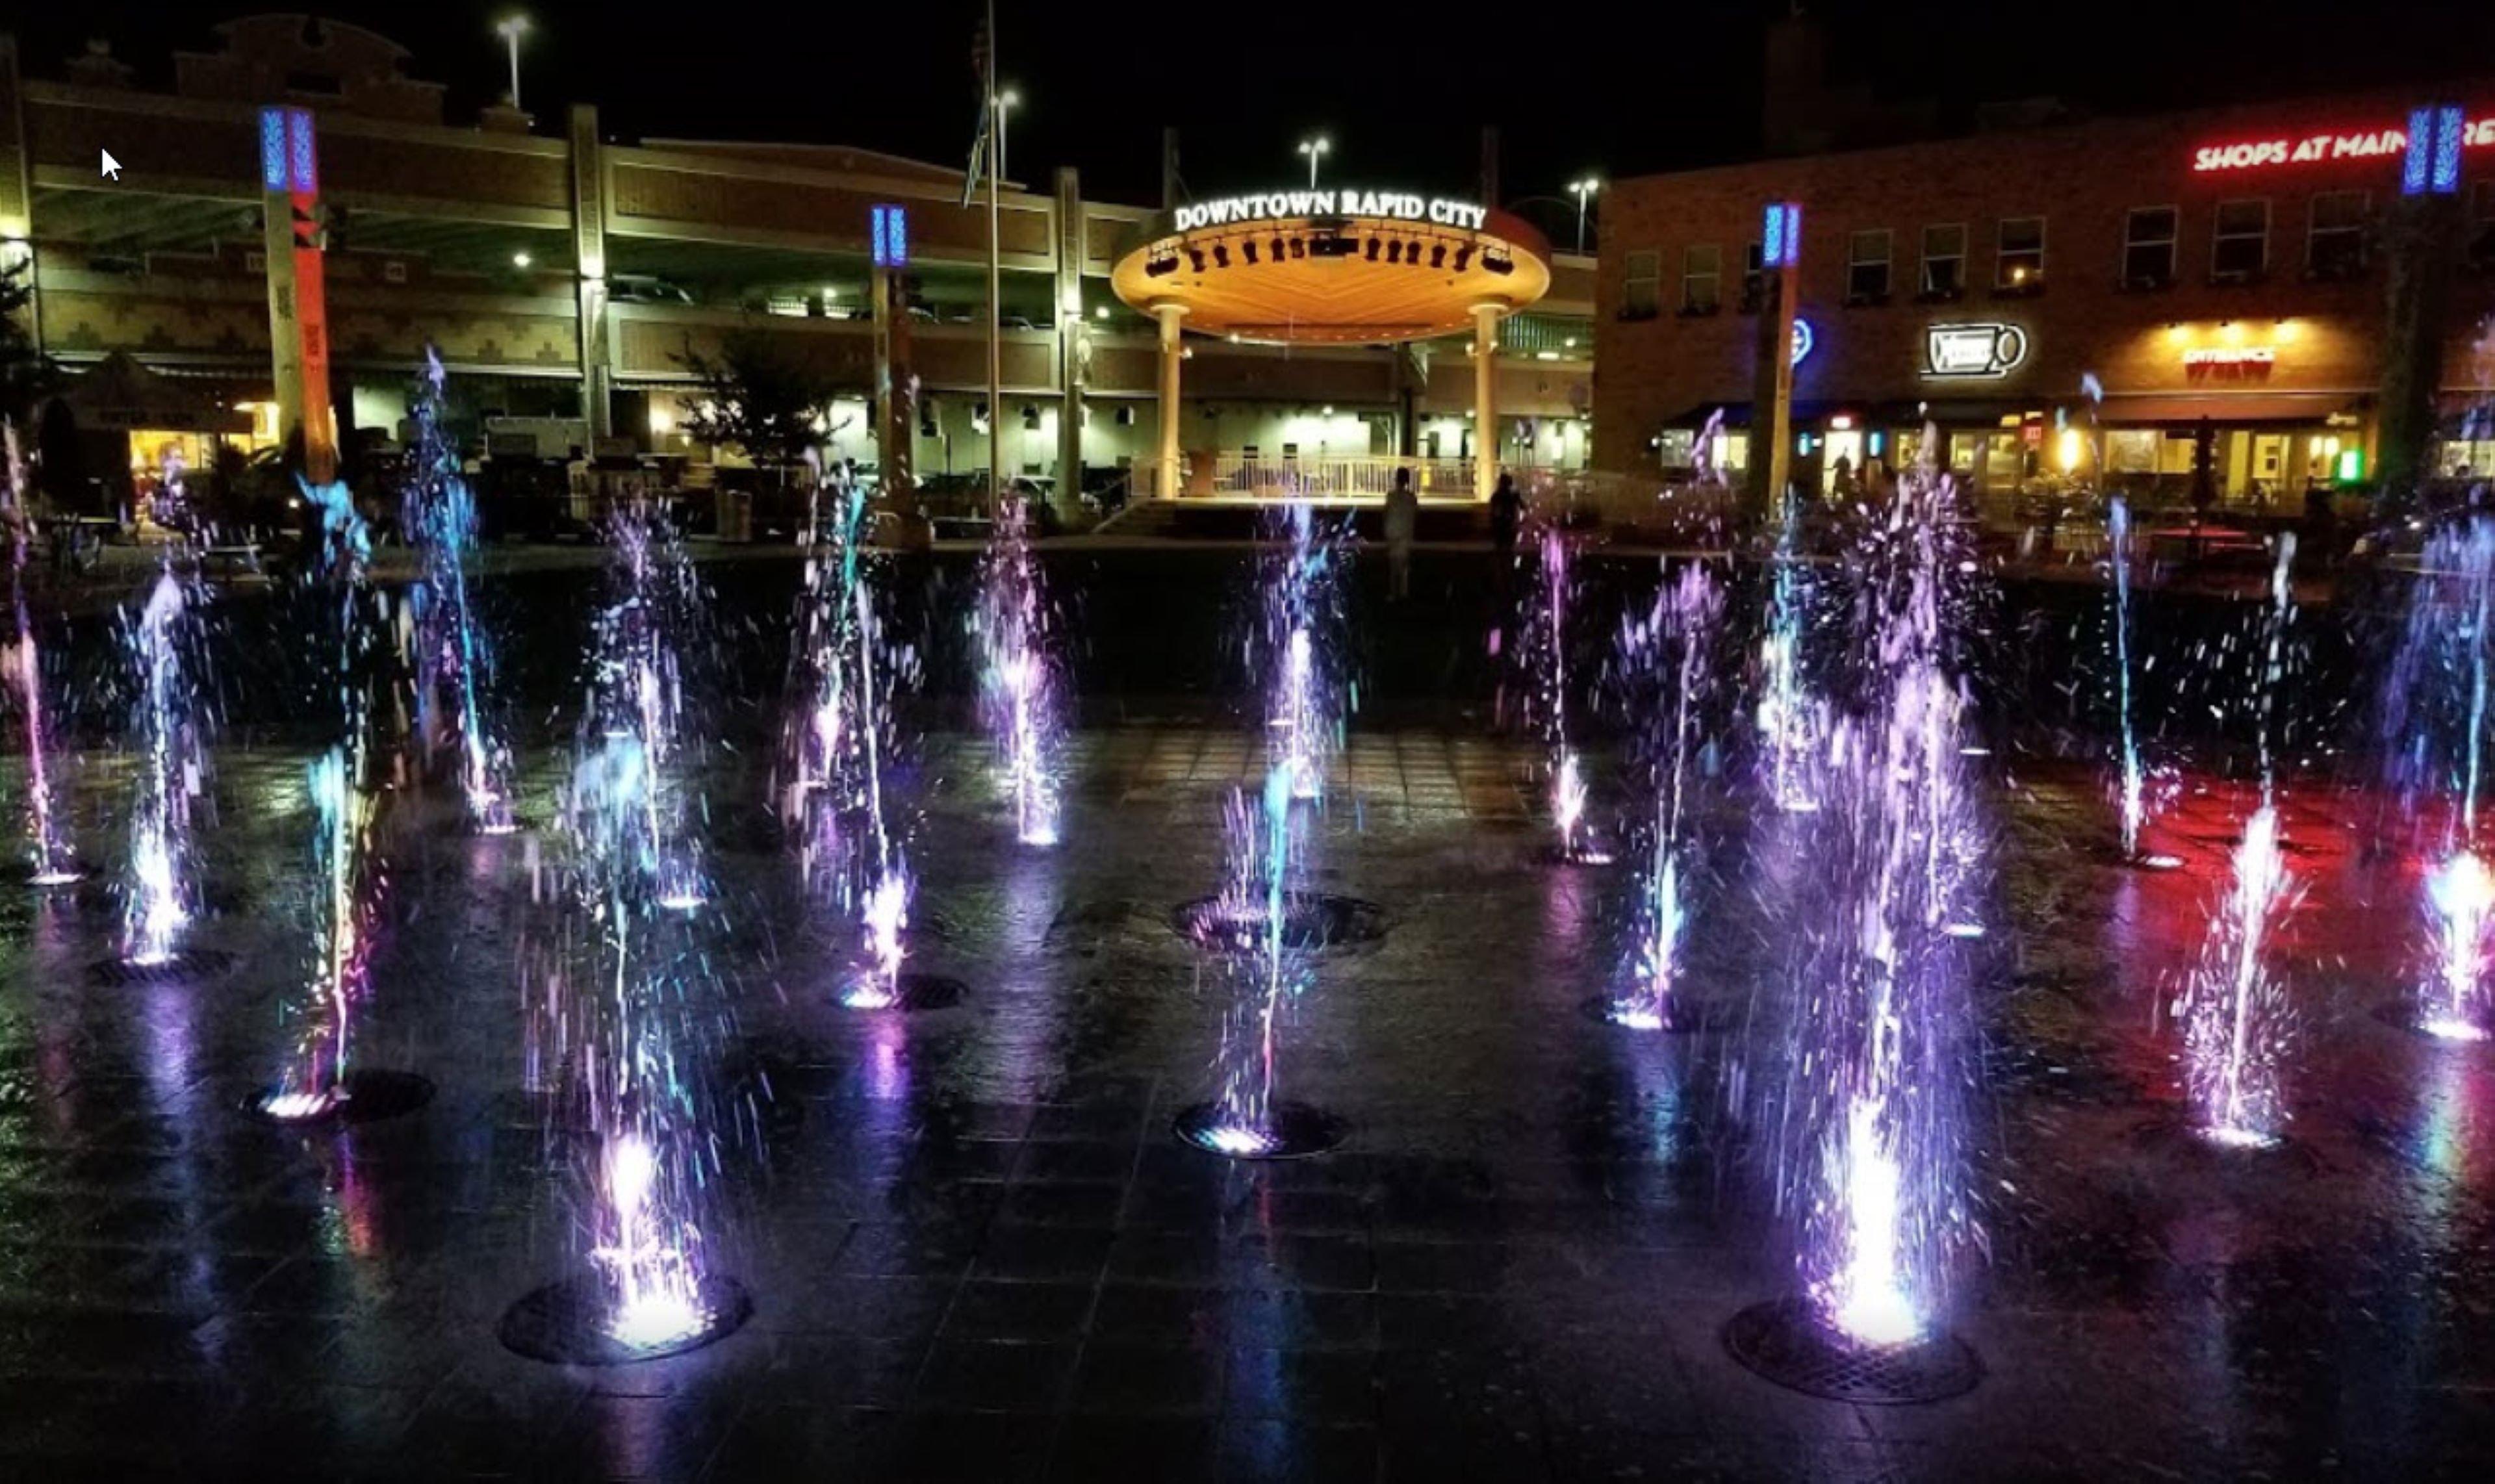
(895, 386)
(2419, 237)
(1772, 385)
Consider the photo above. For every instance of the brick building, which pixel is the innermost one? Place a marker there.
(2221, 274)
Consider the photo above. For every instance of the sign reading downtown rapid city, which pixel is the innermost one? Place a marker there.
(1964, 351)
(1289, 205)
(2327, 144)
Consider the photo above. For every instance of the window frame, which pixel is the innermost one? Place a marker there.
(2219, 237)
(2313, 231)
(2173, 243)
(2001, 281)
(1652, 279)
(1923, 263)
(1855, 262)
(1713, 274)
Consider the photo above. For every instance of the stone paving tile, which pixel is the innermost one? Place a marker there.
(976, 1252)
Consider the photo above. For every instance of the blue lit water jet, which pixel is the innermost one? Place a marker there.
(454, 653)
(2133, 786)
(1668, 661)
(1792, 719)
(168, 733)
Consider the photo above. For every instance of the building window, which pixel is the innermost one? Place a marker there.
(1640, 295)
(2148, 247)
(2481, 251)
(2240, 245)
(1944, 262)
(2334, 244)
(1701, 278)
(2020, 265)
(1867, 267)
(1753, 286)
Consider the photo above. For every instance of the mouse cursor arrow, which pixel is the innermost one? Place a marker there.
(112, 166)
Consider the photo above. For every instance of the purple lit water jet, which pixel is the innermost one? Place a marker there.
(1668, 661)
(49, 860)
(454, 654)
(1791, 719)
(1019, 683)
(167, 724)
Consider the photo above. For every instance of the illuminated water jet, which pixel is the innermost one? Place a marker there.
(1666, 661)
(168, 722)
(50, 860)
(1791, 719)
(2134, 791)
(454, 654)
(1018, 675)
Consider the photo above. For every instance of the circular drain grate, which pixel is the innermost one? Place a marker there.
(364, 1095)
(1310, 921)
(1291, 1131)
(183, 968)
(567, 1323)
(1787, 1342)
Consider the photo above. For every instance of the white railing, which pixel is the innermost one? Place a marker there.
(1234, 473)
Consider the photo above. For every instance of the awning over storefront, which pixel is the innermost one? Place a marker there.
(120, 394)
(1949, 411)
(2227, 408)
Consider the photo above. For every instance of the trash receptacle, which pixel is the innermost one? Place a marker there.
(734, 510)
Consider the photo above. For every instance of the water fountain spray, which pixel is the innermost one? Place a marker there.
(1248, 1119)
(1666, 659)
(167, 732)
(2433, 730)
(1307, 693)
(2237, 1022)
(1544, 656)
(454, 654)
(316, 1078)
(1874, 1164)
(621, 1011)
(1791, 719)
(50, 861)
(1019, 682)
(2134, 785)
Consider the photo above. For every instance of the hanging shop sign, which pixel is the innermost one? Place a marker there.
(1804, 340)
(1292, 205)
(2329, 144)
(1963, 352)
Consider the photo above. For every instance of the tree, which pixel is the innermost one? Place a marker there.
(25, 375)
(760, 397)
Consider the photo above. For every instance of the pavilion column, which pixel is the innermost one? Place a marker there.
(589, 256)
(1166, 481)
(1486, 398)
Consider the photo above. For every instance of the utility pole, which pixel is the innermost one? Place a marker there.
(1169, 169)
(995, 291)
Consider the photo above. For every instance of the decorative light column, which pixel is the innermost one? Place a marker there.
(1771, 397)
(1165, 482)
(1486, 317)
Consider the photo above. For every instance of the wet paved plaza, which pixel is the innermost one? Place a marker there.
(977, 1251)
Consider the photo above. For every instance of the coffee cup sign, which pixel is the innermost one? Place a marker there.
(1962, 352)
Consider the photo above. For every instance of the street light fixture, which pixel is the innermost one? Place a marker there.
(511, 31)
(1005, 103)
(1582, 190)
(1315, 149)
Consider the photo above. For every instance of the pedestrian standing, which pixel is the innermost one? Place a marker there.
(1402, 514)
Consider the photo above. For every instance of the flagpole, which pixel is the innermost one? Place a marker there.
(996, 299)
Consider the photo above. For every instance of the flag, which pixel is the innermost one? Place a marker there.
(983, 63)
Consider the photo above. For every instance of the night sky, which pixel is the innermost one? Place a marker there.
(1402, 89)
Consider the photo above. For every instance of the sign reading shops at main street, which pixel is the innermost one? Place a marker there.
(1288, 206)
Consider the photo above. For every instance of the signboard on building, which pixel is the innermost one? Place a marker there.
(1966, 351)
(1289, 205)
(2321, 147)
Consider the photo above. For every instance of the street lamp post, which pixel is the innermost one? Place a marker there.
(1007, 102)
(1315, 149)
(511, 31)
(1582, 190)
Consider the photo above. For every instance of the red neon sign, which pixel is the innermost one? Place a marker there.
(2331, 144)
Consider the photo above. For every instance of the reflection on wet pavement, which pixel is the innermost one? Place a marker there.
(977, 1251)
